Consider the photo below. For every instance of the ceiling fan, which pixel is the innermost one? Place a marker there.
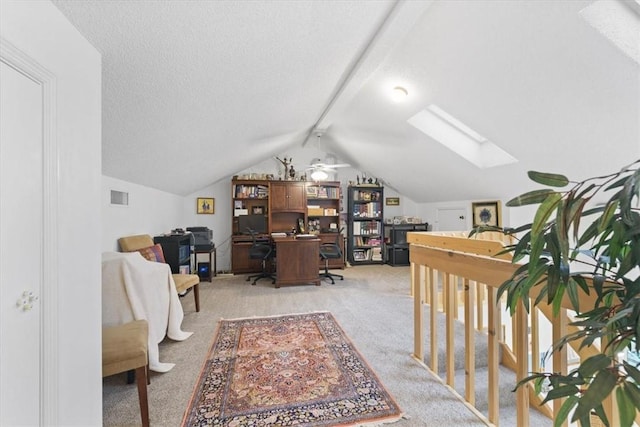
(320, 169)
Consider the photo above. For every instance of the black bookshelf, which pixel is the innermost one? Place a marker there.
(396, 247)
(364, 226)
(177, 251)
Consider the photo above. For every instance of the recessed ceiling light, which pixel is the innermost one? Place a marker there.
(399, 94)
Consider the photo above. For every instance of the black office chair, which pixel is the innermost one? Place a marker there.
(331, 251)
(264, 252)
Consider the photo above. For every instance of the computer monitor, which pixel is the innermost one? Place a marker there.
(257, 223)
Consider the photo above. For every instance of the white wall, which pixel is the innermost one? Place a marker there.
(429, 212)
(40, 31)
(219, 222)
(150, 211)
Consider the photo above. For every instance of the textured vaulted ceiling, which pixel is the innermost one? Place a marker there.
(195, 91)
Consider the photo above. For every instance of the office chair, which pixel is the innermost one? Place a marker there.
(264, 252)
(331, 251)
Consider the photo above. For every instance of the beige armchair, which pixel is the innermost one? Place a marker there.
(143, 243)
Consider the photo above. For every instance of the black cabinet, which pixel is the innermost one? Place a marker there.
(364, 228)
(395, 242)
(177, 251)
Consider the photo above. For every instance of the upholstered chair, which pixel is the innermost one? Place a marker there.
(144, 244)
(125, 349)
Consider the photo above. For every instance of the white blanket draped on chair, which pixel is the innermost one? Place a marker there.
(133, 289)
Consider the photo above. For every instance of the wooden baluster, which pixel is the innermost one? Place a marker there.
(449, 288)
(535, 340)
(493, 356)
(480, 306)
(434, 320)
(456, 296)
(470, 342)
(559, 329)
(521, 345)
(427, 281)
(418, 331)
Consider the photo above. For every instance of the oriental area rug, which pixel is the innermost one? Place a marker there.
(291, 370)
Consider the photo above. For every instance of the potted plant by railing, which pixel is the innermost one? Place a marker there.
(573, 247)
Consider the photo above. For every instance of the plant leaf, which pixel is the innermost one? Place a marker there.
(626, 408)
(530, 198)
(594, 364)
(564, 411)
(550, 179)
(598, 390)
(559, 392)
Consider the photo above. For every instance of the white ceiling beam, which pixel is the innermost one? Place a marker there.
(400, 20)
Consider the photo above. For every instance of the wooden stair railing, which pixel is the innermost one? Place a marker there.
(440, 262)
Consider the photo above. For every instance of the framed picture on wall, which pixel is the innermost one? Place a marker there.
(486, 213)
(205, 205)
(392, 201)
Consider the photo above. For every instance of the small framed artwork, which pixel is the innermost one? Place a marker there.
(486, 214)
(392, 201)
(205, 205)
(257, 210)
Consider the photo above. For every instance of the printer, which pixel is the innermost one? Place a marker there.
(203, 238)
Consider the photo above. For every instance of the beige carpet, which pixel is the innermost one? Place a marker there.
(373, 307)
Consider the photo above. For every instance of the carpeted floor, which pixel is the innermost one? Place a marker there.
(373, 307)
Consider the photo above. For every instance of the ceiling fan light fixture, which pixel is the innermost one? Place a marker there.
(319, 175)
(399, 94)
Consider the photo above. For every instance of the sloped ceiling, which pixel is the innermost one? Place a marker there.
(194, 92)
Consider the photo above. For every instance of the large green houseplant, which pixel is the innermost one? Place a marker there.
(573, 247)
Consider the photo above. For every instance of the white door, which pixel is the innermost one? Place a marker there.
(21, 247)
(451, 219)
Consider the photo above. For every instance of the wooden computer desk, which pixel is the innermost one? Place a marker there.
(297, 260)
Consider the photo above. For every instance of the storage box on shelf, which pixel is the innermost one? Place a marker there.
(364, 227)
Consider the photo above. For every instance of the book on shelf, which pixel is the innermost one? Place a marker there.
(312, 192)
(322, 192)
(366, 227)
(243, 191)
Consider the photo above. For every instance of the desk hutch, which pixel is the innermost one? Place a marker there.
(286, 206)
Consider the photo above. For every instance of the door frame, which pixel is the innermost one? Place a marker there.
(48, 292)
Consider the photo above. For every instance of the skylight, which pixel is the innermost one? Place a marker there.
(460, 138)
(619, 22)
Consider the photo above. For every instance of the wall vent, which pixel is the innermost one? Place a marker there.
(120, 198)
